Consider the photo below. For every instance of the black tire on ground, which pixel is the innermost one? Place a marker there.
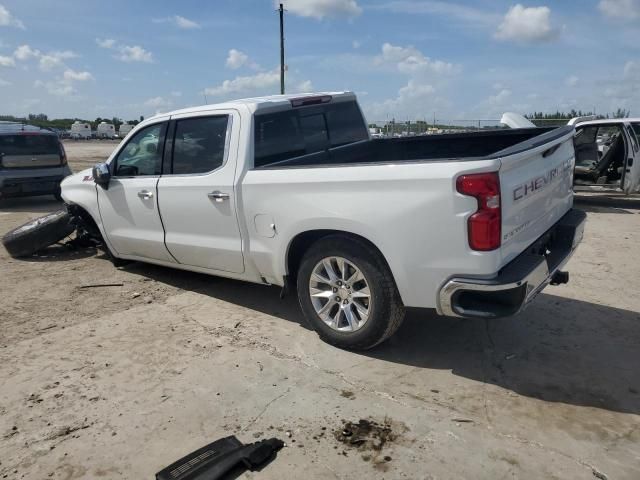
(386, 308)
(38, 234)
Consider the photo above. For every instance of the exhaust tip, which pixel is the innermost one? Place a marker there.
(559, 278)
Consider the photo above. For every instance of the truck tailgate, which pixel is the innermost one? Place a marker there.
(536, 184)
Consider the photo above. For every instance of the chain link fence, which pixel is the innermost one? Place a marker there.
(408, 128)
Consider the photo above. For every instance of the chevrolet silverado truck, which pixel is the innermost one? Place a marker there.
(291, 191)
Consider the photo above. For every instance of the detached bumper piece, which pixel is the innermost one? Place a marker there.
(521, 280)
(224, 458)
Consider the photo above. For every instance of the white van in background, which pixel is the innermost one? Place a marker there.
(106, 130)
(80, 130)
(124, 129)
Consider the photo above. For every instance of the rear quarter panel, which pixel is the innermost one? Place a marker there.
(411, 212)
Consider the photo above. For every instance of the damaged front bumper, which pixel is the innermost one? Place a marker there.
(519, 281)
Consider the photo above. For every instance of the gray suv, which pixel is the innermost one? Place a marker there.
(32, 161)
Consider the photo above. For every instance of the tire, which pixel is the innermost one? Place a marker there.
(384, 307)
(38, 234)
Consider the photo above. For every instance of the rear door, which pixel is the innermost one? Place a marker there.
(129, 207)
(196, 193)
(631, 176)
(536, 183)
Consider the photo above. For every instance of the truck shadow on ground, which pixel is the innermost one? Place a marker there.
(557, 350)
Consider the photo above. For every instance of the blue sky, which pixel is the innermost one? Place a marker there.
(405, 58)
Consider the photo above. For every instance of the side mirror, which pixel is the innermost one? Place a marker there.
(101, 175)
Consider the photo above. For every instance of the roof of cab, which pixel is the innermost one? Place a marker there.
(259, 103)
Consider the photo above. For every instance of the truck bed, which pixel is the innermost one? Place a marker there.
(445, 147)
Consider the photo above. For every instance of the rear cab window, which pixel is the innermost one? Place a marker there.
(29, 144)
(300, 131)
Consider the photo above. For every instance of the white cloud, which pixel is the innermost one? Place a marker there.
(126, 53)
(7, 61)
(632, 70)
(73, 76)
(321, 8)
(59, 88)
(185, 23)
(499, 98)
(526, 24)
(25, 52)
(158, 102)
(47, 61)
(178, 21)
(303, 87)
(571, 81)
(411, 99)
(237, 59)
(259, 82)
(106, 42)
(620, 9)
(53, 60)
(134, 53)
(356, 44)
(8, 20)
(411, 60)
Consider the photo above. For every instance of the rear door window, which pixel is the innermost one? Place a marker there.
(29, 144)
(199, 144)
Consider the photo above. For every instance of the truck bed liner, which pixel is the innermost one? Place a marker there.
(445, 147)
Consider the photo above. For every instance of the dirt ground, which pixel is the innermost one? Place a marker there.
(119, 382)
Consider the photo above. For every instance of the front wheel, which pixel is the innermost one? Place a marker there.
(347, 293)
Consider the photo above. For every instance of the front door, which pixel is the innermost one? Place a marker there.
(129, 207)
(196, 193)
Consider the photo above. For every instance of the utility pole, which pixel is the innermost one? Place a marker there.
(281, 10)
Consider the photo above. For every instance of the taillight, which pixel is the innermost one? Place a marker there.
(63, 155)
(484, 226)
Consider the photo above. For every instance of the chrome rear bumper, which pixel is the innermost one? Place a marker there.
(521, 280)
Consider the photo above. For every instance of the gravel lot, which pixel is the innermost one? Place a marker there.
(119, 382)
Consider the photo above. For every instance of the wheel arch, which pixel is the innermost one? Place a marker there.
(301, 243)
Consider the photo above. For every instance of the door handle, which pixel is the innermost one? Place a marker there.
(218, 196)
(145, 194)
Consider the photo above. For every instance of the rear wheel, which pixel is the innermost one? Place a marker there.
(348, 294)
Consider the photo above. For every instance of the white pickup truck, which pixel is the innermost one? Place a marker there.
(291, 191)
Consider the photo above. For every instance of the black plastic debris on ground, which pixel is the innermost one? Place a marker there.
(223, 459)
